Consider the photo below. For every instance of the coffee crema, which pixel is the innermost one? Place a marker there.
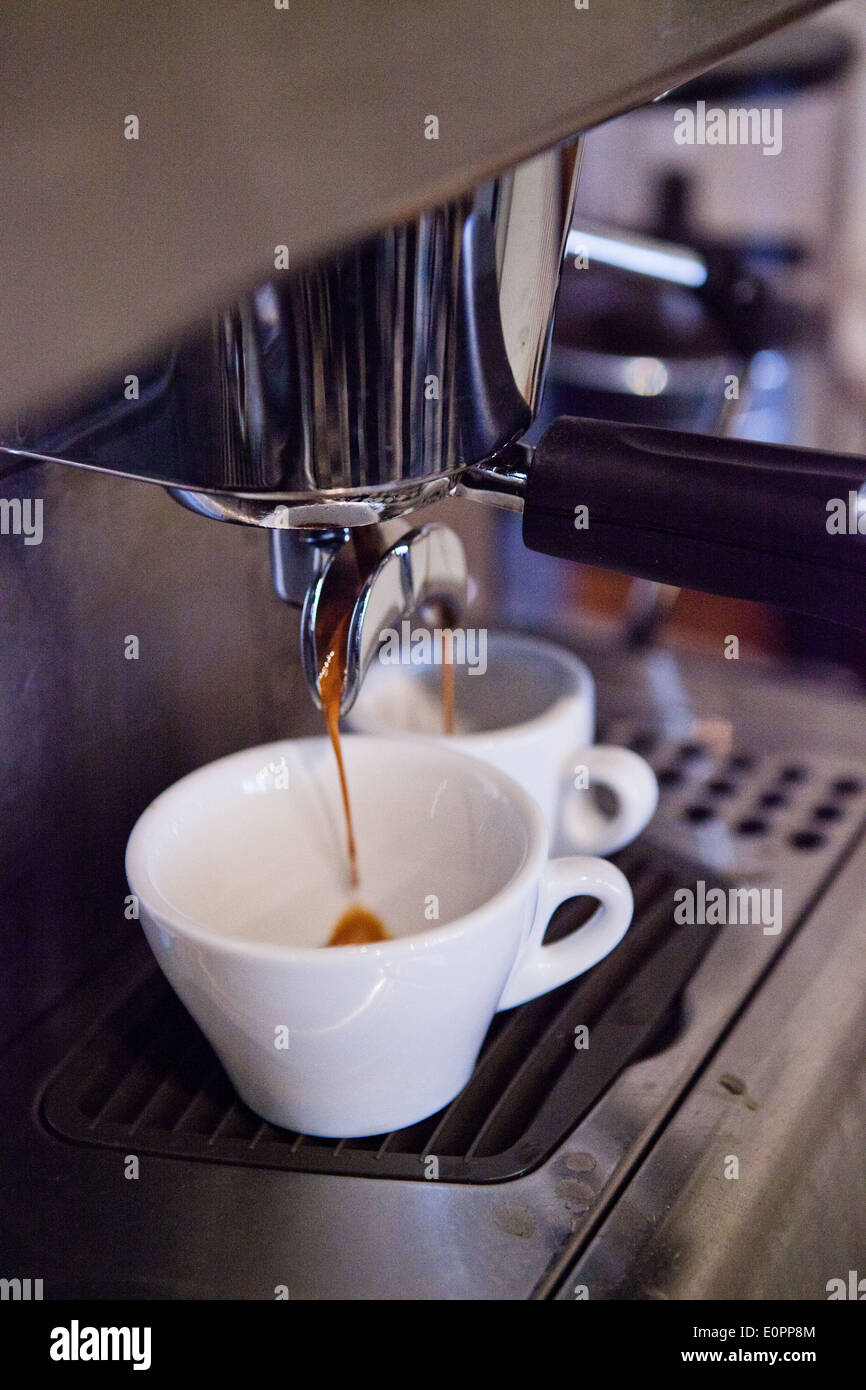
(358, 927)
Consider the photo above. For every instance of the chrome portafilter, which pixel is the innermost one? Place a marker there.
(413, 568)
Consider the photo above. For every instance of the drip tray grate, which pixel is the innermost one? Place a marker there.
(146, 1079)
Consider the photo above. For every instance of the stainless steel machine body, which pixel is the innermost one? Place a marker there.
(260, 127)
(351, 391)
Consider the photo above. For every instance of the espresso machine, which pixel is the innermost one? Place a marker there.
(308, 299)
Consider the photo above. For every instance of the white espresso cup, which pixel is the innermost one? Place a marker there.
(240, 871)
(529, 709)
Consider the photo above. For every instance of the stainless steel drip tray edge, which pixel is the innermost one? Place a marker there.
(753, 1189)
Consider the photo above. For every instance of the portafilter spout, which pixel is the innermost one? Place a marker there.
(406, 569)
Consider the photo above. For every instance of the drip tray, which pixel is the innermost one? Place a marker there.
(146, 1080)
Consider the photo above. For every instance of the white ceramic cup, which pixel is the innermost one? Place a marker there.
(532, 714)
(240, 873)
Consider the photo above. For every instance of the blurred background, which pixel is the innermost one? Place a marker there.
(782, 311)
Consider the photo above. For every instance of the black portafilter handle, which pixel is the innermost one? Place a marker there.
(754, 521)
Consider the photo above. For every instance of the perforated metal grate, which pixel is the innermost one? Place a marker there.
(737, 812)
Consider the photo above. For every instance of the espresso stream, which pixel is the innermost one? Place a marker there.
(358, 925)
(447, 681)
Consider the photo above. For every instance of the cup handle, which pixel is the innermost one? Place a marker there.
(539, 968)
(632, 781)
